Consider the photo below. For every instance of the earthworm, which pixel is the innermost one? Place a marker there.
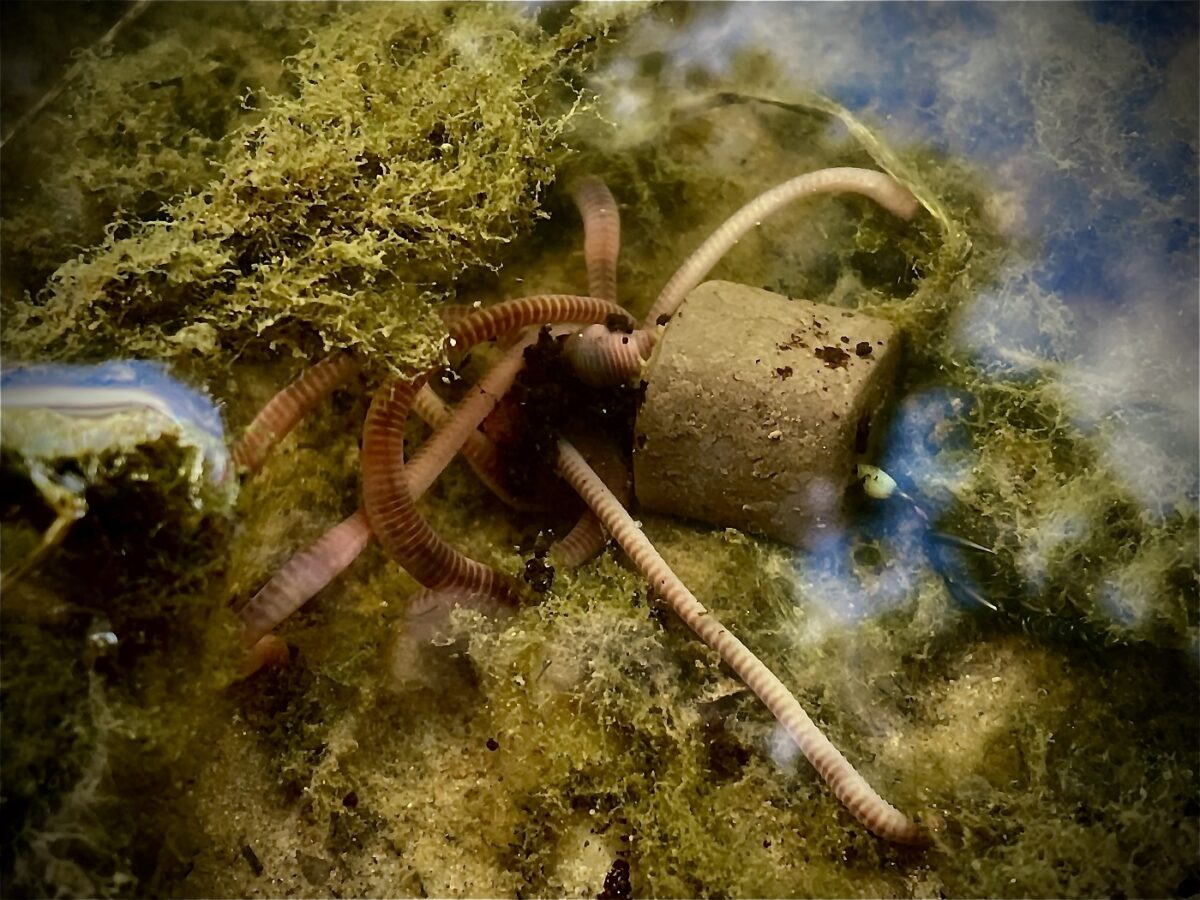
(478, 449)
(848, 786)
(267, 651)
(601, 236)
(610, 358)
(392, 511)
(289, 406)
(881, 188)
(601, 251)
(311, 569)
(583, 542)
(493, 321)
(302, 576)
(602, 357)
(435, 454)
(387, 498)
(588, 537)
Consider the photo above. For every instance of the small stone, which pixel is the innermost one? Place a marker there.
(252, 860)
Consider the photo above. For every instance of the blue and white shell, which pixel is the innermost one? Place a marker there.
(117, 387)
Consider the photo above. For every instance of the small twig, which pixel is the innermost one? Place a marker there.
(105, 42)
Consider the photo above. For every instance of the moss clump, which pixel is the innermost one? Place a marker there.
(136, 128)
(412, 144)
(113, 647)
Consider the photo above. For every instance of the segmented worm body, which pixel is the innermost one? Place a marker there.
(881, 188)
(289, 406)
(312, 568)
(391, 506)
(602, 357)
(511, 315)
(847, 785)
(304, 575)
(610, 358)
(587, 539)
(601, 236)
(435, 454)
(387, 496)
(478, 449)
(594, 359)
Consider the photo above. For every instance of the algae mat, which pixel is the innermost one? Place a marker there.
(237, 190)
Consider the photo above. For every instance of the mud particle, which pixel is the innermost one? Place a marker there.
(493, 744)
(617, 322)
(616, 882)
(251, 857)
(784, 372)
(539, 574)
(315, 869)
(833, 357)
(863, 348)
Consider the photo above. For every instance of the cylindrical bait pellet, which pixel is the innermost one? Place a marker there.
(757, 410)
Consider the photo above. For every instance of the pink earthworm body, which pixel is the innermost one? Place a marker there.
(588, 538)
(289, 406)
(513, 315)
(601, 236)
(601, 251)
(878, 186)
(387, 499)
(302, 576)
(848, 786)
(603, 357)
(391, 507)
(311, 569)
(583, 542)
(435, 454)
(478, 449)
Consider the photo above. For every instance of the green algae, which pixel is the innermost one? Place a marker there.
(137, 128)
(524, 756)
(406, 147)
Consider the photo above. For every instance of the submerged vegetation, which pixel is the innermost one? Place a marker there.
(400, 152)
(329, 178)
